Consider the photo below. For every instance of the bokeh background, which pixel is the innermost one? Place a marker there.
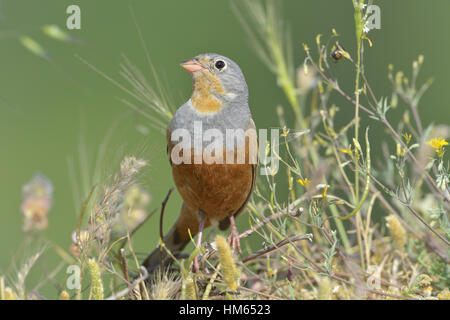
(57, 112)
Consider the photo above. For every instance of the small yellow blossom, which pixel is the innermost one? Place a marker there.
(305, 47)
(347, 151)
(304, 182)
(324, 192)
(400, 151)
(438, 145)
(407, 137)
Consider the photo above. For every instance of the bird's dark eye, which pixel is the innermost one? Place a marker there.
(219, 64)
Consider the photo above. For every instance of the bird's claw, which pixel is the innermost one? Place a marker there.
(234, 236)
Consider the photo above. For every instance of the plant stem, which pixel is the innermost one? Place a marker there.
(358, 28)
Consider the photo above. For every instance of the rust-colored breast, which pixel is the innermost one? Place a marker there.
(216, 189)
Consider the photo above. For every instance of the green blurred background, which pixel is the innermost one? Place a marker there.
(49, 108)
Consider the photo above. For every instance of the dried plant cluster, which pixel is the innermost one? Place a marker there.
(355, 225)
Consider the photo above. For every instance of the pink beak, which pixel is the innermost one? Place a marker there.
(191, 66)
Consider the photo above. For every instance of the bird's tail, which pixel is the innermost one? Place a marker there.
(175, 240)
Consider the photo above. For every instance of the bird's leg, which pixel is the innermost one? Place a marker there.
(201, 225)
(234, 236)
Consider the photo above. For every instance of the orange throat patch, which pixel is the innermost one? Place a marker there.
(203, 100)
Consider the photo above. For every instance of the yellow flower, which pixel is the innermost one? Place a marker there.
(305, 47)
(407, 137)
(347, 151)
(304, 182)
(400, 151)
(438, 145)
(324, 192)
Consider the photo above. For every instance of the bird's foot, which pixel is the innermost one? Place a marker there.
(234, 236)
(196, 263)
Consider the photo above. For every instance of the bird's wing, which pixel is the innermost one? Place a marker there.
(168, 144)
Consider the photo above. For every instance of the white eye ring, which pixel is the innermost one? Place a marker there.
(220, 65)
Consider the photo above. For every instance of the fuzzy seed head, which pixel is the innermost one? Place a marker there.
(230, 272)
(189, 290)
(96, 284)
(397, 231)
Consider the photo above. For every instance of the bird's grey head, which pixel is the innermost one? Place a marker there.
(221, 75)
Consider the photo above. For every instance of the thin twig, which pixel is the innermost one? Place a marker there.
(161, 219)
(124, 266)
(135, 283)
(277, 246)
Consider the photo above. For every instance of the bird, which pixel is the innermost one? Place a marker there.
(216, 182)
